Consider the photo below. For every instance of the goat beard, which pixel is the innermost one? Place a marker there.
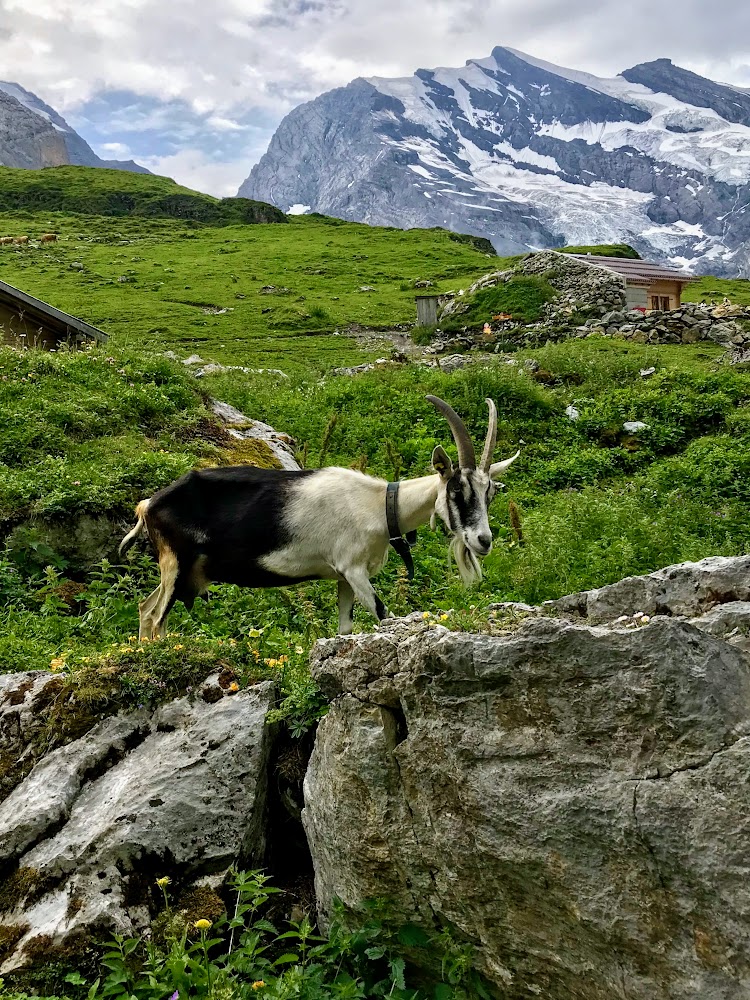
(468, 565)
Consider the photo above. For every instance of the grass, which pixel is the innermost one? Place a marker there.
(715, 290)
(522, 297)
(99, 191)
(605, 250)
(158, 284)
(87, 435)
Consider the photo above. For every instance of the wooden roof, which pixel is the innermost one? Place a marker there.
(46, 315)
(635, 272)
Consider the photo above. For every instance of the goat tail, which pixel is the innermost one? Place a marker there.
(139, 529)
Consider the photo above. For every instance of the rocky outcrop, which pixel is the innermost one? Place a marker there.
(569, 796)
(34, 135)
(527, 154)
(179, 791)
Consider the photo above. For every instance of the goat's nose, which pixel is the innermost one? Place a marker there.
(484, 542)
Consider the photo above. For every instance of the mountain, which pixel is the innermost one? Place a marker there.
(530, 155)
(33, 135)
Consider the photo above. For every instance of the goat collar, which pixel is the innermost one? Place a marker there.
(401, 544)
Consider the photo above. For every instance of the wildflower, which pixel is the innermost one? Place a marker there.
(164, 880)
(132, 638)
(425, 615)
(645, 619)
(258, 984)
(57, 664)
(175, 995)
(299, 650)
(234, 686)
(179, 646)
(255, 632)
(202, 924)
(444, 618)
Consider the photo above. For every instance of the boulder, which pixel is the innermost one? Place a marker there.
(569, 798)
(179, 791)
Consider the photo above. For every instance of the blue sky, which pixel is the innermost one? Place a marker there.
(195, 89)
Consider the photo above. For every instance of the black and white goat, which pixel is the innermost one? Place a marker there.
(268, 528)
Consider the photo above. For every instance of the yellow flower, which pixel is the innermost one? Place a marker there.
(202, 925)
(234, 686)
(425, 614)
(179, 646)
(258, 984)
(164, 880)
(444, 618)
(132, 638)
(299, 650)
(253, 634)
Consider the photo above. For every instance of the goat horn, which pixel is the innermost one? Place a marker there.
(491, 439)
(466, 457)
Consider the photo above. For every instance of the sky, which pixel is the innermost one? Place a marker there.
(194, 89)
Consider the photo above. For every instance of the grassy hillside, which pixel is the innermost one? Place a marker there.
(99, 191)
(605, 250)
(86, 435)
(163, 284)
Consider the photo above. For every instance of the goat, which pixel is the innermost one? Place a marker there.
(5, 240)
(48, 238)
(269, 528)
(20, 239)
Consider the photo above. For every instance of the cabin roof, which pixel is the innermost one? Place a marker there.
(635, 272)
(49, 316)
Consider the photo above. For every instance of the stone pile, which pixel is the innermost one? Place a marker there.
(692, 322)
(581, 290)
(591, 301)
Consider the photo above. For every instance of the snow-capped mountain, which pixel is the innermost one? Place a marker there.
(531, 155)
(34, 135)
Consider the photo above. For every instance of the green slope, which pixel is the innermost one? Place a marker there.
(165, 284)
(98, 191)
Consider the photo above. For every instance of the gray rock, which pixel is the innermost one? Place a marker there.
(633, 426)
(690, 588)
(34, 135)
(393, 152)
(570, 800)
(243, 428)
(180, 792)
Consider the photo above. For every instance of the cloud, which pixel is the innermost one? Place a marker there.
(194, 168)
(209, 82)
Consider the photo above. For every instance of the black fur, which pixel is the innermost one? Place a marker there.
(222, 521)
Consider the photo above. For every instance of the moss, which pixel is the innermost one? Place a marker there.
(17, 887)
(200, 903)
(10, 935)
(249, 451)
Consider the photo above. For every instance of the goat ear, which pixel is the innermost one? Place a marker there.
(441, 463)
(498, 468)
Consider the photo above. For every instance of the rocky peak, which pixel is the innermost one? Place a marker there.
(34, 135)
(528, 154)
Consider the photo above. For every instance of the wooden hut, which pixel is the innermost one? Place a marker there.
(647, 285)
(27, 321)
